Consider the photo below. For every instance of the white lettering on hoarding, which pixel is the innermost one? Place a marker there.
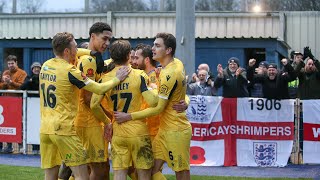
(1, 116)
(245, 130)
(7, 131)
(316, 132)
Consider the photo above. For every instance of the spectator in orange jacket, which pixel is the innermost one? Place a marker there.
(11, 79)
(14, 76)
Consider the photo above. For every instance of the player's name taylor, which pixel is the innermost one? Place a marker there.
(242, 130)
(48, 77)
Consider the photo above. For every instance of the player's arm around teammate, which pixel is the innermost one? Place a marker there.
(172, 143)
(58, 105)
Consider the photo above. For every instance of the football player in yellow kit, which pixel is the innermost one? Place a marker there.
(172, 143)
(89, 128)
(130, 143)
(59, 83)
(143, 60)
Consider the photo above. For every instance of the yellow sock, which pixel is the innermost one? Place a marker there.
(158, 176)
(133, 176)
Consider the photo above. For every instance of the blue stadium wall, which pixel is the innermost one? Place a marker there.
(210, 51)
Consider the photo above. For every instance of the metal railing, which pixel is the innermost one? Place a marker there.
(24, 113)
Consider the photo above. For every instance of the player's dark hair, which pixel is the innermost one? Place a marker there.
(146, 52)
(169, 41)
(60, 42)
(120, 51)
(99, 27)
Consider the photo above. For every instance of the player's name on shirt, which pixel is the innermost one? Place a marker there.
(121, 86)
(48, 77)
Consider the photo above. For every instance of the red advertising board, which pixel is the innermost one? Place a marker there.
(10, 119)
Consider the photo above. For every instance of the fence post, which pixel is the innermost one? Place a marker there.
(300, 140)
(24, 121)
(296, 143)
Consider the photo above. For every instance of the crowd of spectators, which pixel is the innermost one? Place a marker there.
(298, 77)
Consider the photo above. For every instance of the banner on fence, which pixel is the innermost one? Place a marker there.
(240, 131)
(33, 120)
(311, 131)
(10, 119)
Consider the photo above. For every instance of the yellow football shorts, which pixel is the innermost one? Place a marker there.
(56, 148)
(126, 151)
(174, 148)
(93, 141)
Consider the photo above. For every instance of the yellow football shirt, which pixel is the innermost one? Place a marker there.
(59, 83)
(85, 118)
(127, 97)
(153, 122)
(173, 90)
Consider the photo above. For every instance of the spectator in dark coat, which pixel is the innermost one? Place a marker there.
(309, 79)
(256, 88)
(233, 79)
(275, 82)
(32, 83)
(293, 85)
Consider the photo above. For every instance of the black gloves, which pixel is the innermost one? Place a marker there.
(99, 61)
(307, 53)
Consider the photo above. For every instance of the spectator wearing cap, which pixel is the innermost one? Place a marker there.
(32, 83)
(275, 82)
(233, 79)
(256, 88)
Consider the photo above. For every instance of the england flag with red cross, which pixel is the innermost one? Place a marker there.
(311, 131)
(240, 131)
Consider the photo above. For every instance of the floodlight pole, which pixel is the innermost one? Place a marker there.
(185, 34)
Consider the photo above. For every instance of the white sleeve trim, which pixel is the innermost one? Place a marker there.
(87, 81)
(163, 97)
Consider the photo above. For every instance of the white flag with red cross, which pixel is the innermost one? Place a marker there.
(240, 131)
(311, 131)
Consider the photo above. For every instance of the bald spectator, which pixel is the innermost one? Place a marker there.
(275, 82)
(233, 79)
(11, 79)
(308, 72)
(201, 87)
(202, 67)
